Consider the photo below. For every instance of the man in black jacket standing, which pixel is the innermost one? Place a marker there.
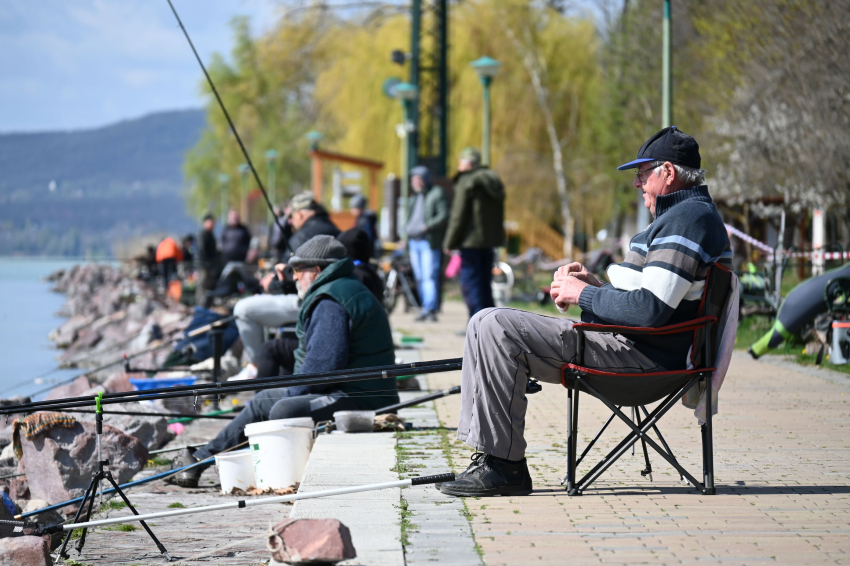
(235, 239)
(206, 260)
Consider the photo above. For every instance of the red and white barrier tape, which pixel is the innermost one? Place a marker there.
(764, 247)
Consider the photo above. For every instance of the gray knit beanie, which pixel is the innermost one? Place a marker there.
(318, 251)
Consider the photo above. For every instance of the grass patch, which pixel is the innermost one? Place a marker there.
(115, 504)
(406, 525)
(122, 528)
(751, 328)
(176, 505)
(157, 461)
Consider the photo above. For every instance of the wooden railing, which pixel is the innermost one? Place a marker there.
(534, 233)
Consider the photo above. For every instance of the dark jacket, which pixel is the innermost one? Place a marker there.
(368, 222)
(370, 341)
(317, 225)
(207, 254)
(478, 211)
(279, 239)
(235, 241)
(359, 249)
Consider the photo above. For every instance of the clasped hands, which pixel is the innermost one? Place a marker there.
(568, 283)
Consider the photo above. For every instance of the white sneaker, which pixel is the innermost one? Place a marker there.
(248, 372)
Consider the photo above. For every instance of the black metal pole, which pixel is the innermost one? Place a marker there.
(216, 336)
(325, 378)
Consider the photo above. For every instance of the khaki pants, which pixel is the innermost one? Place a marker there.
(504, 347)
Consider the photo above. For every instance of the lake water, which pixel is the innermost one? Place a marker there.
(27, 315)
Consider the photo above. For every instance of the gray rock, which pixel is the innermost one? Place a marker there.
(65, 335)
(59, 463)
(310, 541)
(7, 456)
(152, 431)
(74, 389)
(25, 551)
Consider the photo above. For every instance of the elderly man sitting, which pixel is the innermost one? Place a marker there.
(660, 282)
(341, 325)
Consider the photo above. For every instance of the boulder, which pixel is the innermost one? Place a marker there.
(25, 551)
(65, 335)
(74, 389)
(152, 431)
(59, 463)
(7, 456)
(310, 541)
(120, 382)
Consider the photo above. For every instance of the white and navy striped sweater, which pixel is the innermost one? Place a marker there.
(662, 278)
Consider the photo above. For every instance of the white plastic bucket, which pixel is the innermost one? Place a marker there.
(279, 452)
(235, 469)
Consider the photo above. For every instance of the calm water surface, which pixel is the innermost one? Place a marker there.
(27, 315)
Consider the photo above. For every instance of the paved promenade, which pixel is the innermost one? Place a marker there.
(782, 460)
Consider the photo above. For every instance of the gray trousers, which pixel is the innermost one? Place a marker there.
(504, 347)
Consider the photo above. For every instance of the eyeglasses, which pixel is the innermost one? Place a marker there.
(300, 270)
(638, 173)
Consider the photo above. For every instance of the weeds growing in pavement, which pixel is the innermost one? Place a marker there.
(176, 505)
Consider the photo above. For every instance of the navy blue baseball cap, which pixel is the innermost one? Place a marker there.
(670, 144)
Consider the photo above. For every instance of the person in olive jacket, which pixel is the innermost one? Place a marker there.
(426, 227)
(476, 226)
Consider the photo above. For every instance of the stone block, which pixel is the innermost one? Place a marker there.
(59, 463)
(310, 541)
(25, 551)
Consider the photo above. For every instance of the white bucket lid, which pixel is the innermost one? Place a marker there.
(236, 454)
(280, 424)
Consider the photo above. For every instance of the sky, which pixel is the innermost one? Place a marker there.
(73, 64)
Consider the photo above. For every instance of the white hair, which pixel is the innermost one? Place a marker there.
(689, 175)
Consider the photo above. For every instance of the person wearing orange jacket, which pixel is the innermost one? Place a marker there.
(168, 255)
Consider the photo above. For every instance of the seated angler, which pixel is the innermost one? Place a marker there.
(341, 325)
(659, 283)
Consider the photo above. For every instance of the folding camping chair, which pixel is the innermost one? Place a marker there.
(617, 390)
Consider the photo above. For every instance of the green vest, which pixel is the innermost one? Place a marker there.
(371, 341)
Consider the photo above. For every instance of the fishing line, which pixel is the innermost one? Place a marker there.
(229, 121)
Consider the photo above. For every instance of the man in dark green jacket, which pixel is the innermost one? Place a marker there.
(476, 226)
(426, 227)
(341, 325)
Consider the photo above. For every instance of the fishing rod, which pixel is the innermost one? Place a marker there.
(229, 121)
(163, 475)
(219, 388)
(243, 503)
(126, 357)
(171, 415)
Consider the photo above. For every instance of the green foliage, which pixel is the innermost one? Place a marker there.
(176, 505)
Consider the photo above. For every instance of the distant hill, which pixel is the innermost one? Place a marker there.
(78, 192)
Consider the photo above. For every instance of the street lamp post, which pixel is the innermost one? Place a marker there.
(487, 68)
(243, 169)
(271, 157)
(223, 178)
(406, 93)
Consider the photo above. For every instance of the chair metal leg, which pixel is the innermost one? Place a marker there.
(574, 438)
(661, 438)
(595, 438)
(647, 471)
(633, 419)
(568, 479)
(708, 443)
(638, 433)
(619, 450)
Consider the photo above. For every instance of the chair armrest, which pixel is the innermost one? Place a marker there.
(670, 329)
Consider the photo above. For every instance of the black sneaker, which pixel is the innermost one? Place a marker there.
(476, 458)
(493, 476)
(188, 478)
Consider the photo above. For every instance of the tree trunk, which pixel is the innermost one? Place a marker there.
(541, 92)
